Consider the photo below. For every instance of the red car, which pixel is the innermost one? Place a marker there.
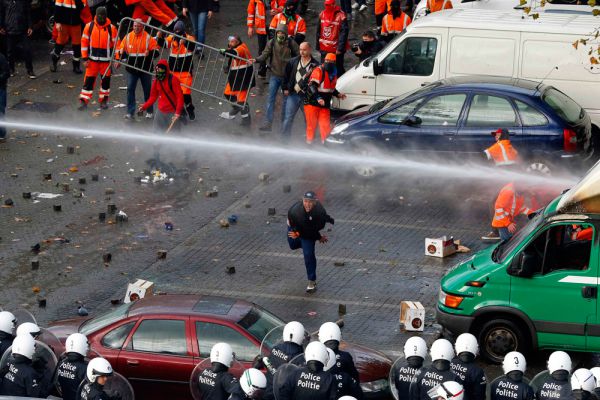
(157, 341)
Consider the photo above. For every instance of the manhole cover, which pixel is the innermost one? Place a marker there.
(37, 106)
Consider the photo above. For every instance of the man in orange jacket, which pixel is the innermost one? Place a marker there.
(509, 204)
(97, 41)
(67, 21)
(296, 26)
(240, 78)
(321, 88)
(502, 152)
(394, 22)
(438, 5)
(157, 9)
(257, 24)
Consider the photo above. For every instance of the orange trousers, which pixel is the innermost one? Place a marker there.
(69, 32)
(240, 95)
(155, 9)
(95, 68)
(317, 115)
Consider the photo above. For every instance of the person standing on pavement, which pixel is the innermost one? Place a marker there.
(415, 351)
(330, 335)
(317, 104)
(217, 383)
(332, 34)
(297, 72)
(137, 50)
(16, 27)
(556, 385)
(18, 377)
(199, 12)
(305, 219)
(67, 21)
(470, 375)
(257, 25)
(511, 386)
(240, 78)
(97, 41)
(394, 22)
(296, 26)
(277, 54)
(4, 75)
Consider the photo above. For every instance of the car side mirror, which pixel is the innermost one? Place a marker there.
(413, 121)
(524, 265)
(377, 69)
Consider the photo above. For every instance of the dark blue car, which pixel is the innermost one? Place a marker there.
(455, 116)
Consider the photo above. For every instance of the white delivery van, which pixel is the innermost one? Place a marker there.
(468, 42)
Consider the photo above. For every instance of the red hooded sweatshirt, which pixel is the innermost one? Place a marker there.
(168, 92)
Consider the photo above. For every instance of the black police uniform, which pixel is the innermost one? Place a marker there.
(426, 379)
(70, 373)
(6, 340)
(405, 373)
(345, 385)
(281, 353)
(507, 388)
(556, 387)
(343, 363)
(19, 378)
(95, 391)
(471, 376)
(217, 383)
(308, 383)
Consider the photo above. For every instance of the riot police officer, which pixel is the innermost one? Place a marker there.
(39, 362)
(71, 370)
(415, 350)
(583, 384)
(511, 386)
(557, 385)
(97, 373)
(330, 335)
(18, 376)
(217, 383)
(429, 377)
(596, 372)
(469, 374)
(7, 328)
(310, 382)
(252, 384)
(29, 328)
(450, 391)
(345, 385)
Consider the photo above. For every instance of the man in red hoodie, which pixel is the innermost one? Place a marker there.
(167, 90)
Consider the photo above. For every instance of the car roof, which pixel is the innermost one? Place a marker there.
(474, 82)
(224, 308)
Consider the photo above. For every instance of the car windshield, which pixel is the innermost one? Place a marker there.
(563, 105)
(258, 322)
(505, 248)
(92, 325)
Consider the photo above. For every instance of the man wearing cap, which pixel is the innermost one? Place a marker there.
(502, 152)
(277, 53)
(332, 34)
(305, 219)
(240, 78)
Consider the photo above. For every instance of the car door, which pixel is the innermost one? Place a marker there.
(486, 113)
(157, 358)
(560, 297)
(411, 65)
(538, 133)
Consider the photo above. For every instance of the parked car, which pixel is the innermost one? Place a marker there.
(157, 341)
(537, 290)
(456, 115)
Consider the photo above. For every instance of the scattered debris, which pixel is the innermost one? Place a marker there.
(95, 177)
(114, 302)
(271, 211)
(36, 289)
(161, 254)
(111, 208)
(22, 219)
(70, 150)
(212, 193)
(66, 187)
(108, 191)
(412, 315)
(38, 195)
(107, 257)
(36, 248)
(311, 313)
(94, 160)
(82, 181)
(230, 270)
(224, 223)
(121, 216)
(57, 207)
(339, 263)
(82, 311)
(232, 219)
(73, 169)
(47, 177)
(169, 226)
(42, 303)
(341, 309)
(102, 216)
(35, 264)
(247, 205)
(263, 177)
(26, 195)
(9, 202)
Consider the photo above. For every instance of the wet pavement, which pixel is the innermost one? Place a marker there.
(374, 260)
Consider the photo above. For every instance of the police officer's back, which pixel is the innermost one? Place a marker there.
(468, 373)
(429, 377)
(583, 384)
(511, 386)
(97, 372)
(252, 386)
(7, 328)
(596, 372)
(217, 383)
(310, 382)
(330, 335)
(415, 351)
(71, 370)
(557, 385)
(18, 376)
(345, 385)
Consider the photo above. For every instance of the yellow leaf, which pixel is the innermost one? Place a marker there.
(543, 3)
(522, 2)
(535, 16)
(594, 61)
(595, 12)
(527, 10)
(592, 3)
(576, 44)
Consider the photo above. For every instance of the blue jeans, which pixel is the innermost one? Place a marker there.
(293, 103)
(199, 24)
(2, 111)
(132, 80)
(308, 249)
(274, 87)
(504, 233)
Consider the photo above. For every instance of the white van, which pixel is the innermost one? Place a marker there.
(468, 42)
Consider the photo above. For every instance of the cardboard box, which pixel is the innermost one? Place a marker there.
(137, 290)
(412, 315)
(440, 247)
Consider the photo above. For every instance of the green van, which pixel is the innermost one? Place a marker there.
(538, 289)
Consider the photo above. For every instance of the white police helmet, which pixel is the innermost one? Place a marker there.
(28, 327)
(329, 331)
(583, 379)
(293, 332)
(559, 360)
(222, 353)
(415, 346)
(77, 343)
(466, 342)
(441, 349)
(8, 322)
(451, 390)
(514, 361)
(330, 361)
(24, 345)
(253, 383)
(98, 367)
(316, 351)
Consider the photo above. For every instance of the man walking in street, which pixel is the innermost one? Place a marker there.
(16, 27)
(332, 34)
(67, 18)
(305, 219)
(296, 72)
(137, 50)
(278, 52)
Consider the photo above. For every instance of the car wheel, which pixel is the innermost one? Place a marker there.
(365, 148)
(539, 167)
(500, 336)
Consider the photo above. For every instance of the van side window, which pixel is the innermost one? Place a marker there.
(562, 247)
(413, 56)
(491, 111)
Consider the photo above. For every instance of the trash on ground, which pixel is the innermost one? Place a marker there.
(412, 315)
(224, 223)
(232, 219)
(169, 226)
(263, 177)
(121, 216)
(230, 270)
(440, 247)
(38, 195)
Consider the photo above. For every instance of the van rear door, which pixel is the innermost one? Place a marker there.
(559, 295)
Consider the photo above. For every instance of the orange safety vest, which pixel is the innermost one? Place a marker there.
(330, 31)
(242, 51)
(438, 5)
(97, 41)
(277, 5)
(136, 47)
(257, 16)
(382, 6)
(392, 26)
(326, 84)
(181, 53)
(508, 205)
(502, 152)
(296, 25)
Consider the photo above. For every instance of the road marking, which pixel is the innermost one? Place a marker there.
(580, 279)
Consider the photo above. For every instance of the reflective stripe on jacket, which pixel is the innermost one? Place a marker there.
(257, 16)
(97, 41)
(502, 152)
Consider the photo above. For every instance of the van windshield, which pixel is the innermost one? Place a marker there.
(505, 248)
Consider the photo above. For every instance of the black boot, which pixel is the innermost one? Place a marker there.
(77, 67)
(54, 66)
(246, 120)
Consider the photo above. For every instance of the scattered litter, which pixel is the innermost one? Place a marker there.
(35, 264)
(121, 216)
(114, 302)
(73, 169)
(70, 149)
(101, 216)
(112, 208)
(38, 195)
(230, 270)
(122, 87)
(63, 62)
(47, 177)
(107, 258)
(212, 193)
(287, 188)
(36, 289)
(263, 177)
(339, 263)
(96, 114)
(341, 309)
(247, 205)
(95, 178)
(50, 160)
(311, 313)
(88, 137)
(13, 175)
(42, 303)
(22, 219)
(57, 81)
(224, 223)
(271, 211)
(82, 311)
(94, 160)
(131, 170)
(232, 219)
(57, 207)
(141, 236)
(9, 202)
(71, 86)
(120, 105)
(82, 181)
(169, 226)
(36, 248)
(109, 191)
(66, 187)
(161, 254)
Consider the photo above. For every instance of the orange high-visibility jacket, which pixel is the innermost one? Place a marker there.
(382, 6)
(277, 5)
(392, 26)
(502, 152)
(98, 40)
(296, 25)
(135, 48)
(257, 16)
(508, 205)
(438, 5)
(330, 30)
(181, 53)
